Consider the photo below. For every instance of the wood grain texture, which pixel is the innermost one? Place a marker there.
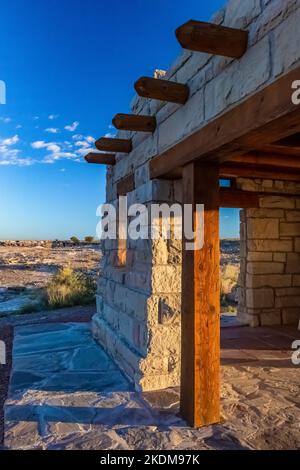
(163, 90)
(212, 38)
(133, 122)
(114, 145)
(235, 170)
(200, 360)
(235, 198)
(260, 120)
(101, 158)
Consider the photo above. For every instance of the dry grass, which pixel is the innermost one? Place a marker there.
(68, 288)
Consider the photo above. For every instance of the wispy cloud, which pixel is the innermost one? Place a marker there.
(6, 120)
(72, 127)
(53, 116)
(52, 130)
(9, 155)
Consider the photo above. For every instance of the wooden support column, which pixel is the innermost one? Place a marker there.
(200, 318)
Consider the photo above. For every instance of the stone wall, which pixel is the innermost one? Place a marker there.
(138, 305)
(270, 255)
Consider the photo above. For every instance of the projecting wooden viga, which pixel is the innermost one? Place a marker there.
(212, 38)
(133, 122)
(101, 158)
(163, 90)
(106, 144)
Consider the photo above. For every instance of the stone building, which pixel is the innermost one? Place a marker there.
(240, 119)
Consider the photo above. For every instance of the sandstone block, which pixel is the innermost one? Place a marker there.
(260, 298)
(269, 280)
(289, 229)
(265, 213)
(279, 257)
(265, 268)
(277, 202)
(270, 245)
(287, 301)
(293, 263)
(293, 216)
(291, 316)
(271, 318)
(286, 46)
(262, 228)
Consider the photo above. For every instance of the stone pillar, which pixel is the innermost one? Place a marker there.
(270, 261)
(138, 305)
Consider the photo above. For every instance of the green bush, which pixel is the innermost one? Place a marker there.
(89, 239)
(75, 240)
(68, 288)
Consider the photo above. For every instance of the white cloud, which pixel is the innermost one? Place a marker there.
(38, 144)
(10, 155)
(77, 137)
(54, 148)
(72, 127)
(10, 140)
(53, 116)
(84, 150)
(110, 135)
(19, 126)
(82, 143)
(52, 130)
(36, 118)
(6, 120)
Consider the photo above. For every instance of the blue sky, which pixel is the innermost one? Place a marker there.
(69, 68)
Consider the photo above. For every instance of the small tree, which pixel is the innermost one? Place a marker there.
(75, 240)
(89, 239)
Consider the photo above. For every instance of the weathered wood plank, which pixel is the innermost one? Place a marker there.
(212, 38)
(234, 170)
(268, 159)
(262, 119)
(106, 144)
(235, 198)
(163, 90)
(133, 122)
(200, 359)
(101, 158)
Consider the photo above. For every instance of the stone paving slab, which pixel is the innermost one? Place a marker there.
(66, 393)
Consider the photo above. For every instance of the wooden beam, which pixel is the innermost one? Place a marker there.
(133, 122)
(163, 90)
(101, 158)
(234, 170)
(235, 198)
(268, 159)
(114, 145)
(263, 118)
(212, 38)
(125, 185)
(200, 312)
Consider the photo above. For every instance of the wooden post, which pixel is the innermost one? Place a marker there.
(200, 357)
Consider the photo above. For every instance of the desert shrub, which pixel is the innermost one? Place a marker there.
(75, 240)
(68, 288)
(89, 239)
(229, 278)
